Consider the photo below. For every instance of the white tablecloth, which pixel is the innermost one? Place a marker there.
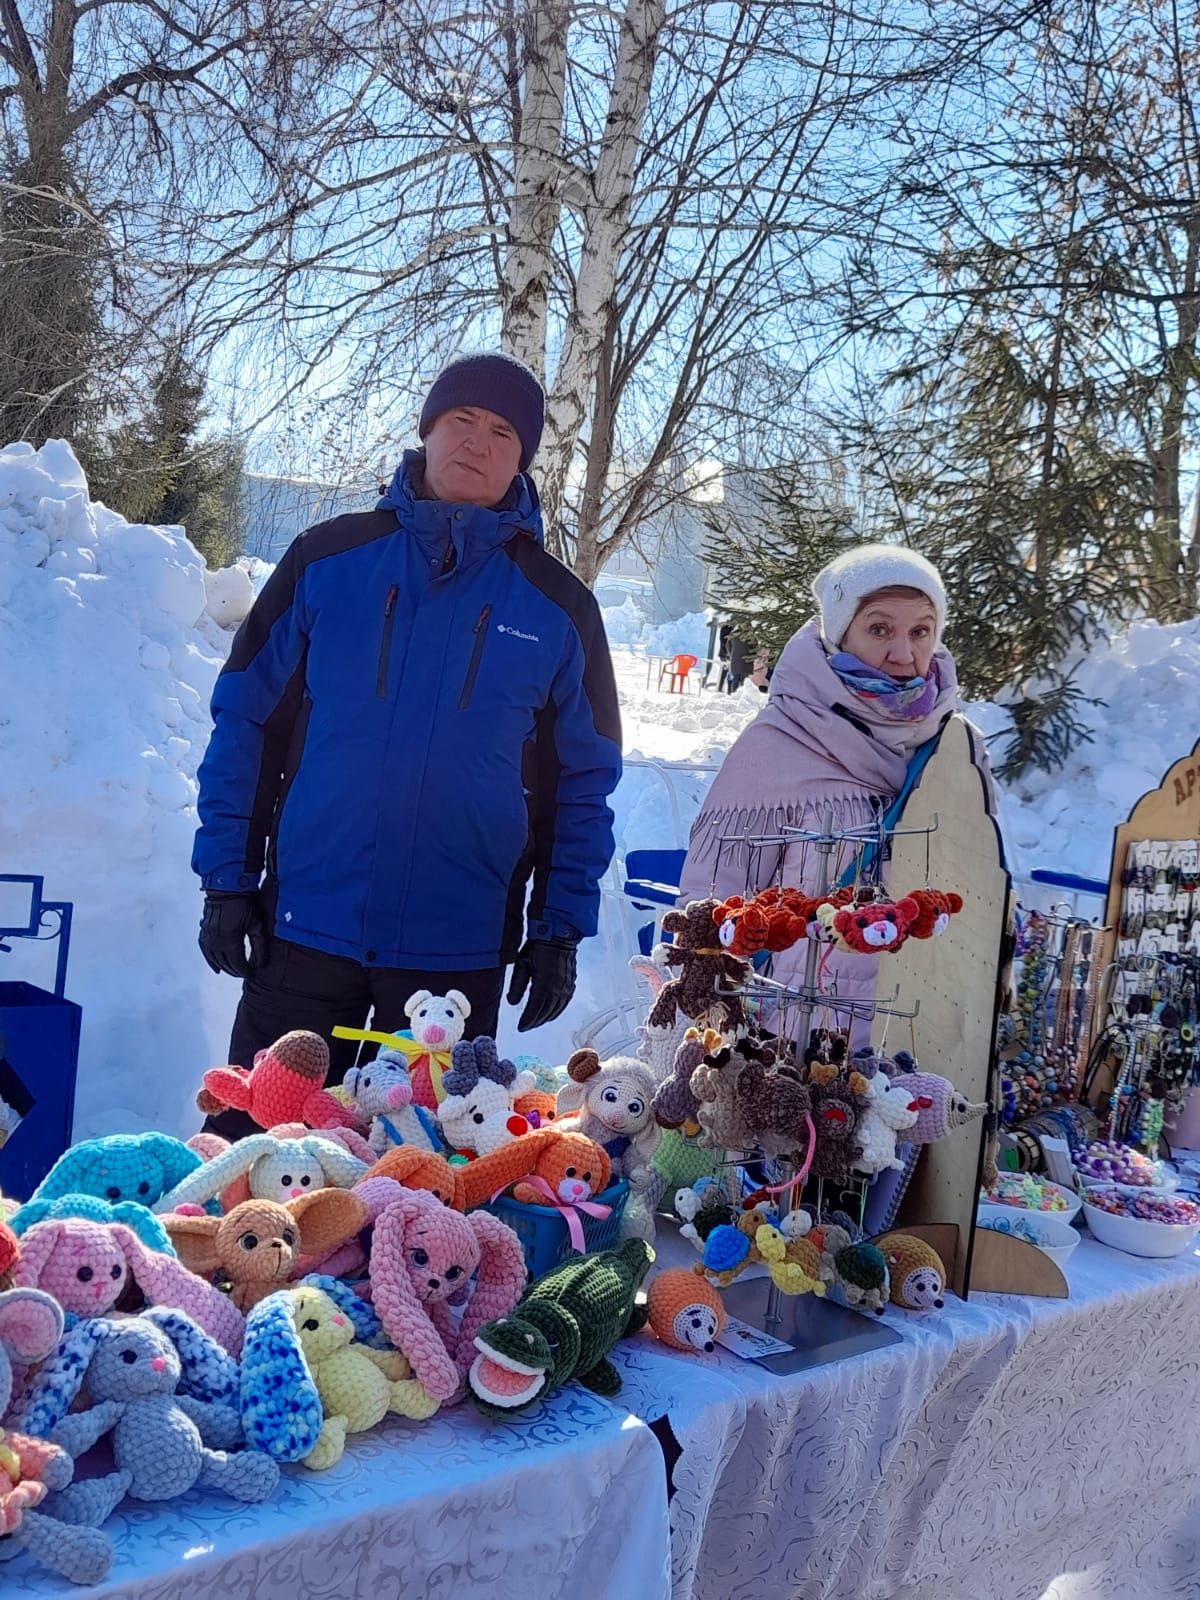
(569, 1501)
(1030, 1449)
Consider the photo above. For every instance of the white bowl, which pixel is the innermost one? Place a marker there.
(1073, 1200)
(1048, 1230)
(1136, 1236)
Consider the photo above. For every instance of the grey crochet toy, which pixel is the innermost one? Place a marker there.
(165, 1440)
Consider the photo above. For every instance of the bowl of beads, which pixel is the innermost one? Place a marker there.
(1103, 1163)
(1141, 1224)
(1026, 1192)
(1052, 1235)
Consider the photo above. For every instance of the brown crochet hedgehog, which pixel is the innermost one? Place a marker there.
(705, 969)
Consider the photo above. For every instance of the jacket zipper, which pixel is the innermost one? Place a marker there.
(476, 658)
(385, 645)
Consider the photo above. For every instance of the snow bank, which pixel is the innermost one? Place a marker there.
(114, 639)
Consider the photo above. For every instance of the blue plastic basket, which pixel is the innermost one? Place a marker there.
(543, 1231)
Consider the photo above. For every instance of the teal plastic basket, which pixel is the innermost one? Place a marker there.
(543, 1231)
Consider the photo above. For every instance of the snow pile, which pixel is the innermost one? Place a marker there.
(1149, 682)
(628, 629)
(115, 640)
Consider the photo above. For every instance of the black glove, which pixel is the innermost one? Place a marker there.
(546, 967)
(229, 920)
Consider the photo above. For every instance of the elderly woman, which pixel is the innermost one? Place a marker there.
(855, 693)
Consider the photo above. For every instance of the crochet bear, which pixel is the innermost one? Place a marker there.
(705, 967)
(837, 1105)
(777, 1104)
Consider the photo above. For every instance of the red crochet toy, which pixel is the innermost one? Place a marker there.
(936, 909)
(774, 920)
(286, 1084)
(880, 925)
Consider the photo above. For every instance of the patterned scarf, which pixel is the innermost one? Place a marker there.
(906, 701)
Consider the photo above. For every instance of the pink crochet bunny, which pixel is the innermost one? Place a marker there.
(85, 1265)
(422, 1253)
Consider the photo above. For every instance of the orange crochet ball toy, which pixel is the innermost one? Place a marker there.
(685, 1310)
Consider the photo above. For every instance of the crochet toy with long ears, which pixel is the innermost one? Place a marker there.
(477, 1113)
(310, 1344)
(266, 1167)
(563, 1327)
(422, 1254)
(685, 1312)
(86, 1266)
(114, 1179)
(615, 1106)
(286, 1084)
(383, 1095)
(31, 1325)
(704, 969)
(164, 1393)
(258, 1247)
(422, 1169)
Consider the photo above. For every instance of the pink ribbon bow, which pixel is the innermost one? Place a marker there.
(569, 1210)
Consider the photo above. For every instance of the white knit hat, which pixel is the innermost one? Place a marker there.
(842, 585)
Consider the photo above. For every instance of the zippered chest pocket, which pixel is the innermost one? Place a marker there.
(477, 642)
(385, 642)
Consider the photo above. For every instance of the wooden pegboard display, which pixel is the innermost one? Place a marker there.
(955, 977)
(1172, 811)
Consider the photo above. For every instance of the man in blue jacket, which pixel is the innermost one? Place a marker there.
(417, 718)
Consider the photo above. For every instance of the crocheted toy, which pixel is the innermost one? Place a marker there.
(10, 1253)
(889, 1110)
(286, 1084)
(86, 1266)
(776, 1103)
(311, 1345)
(674, 1104)
(703, 1207)
(774, 920)
(837, 1104)
(422, 1254)
(719, 1111)
(114, 1179)
(257, 1248)
(792, 1262)
(568, 1168)
(267, 1167)
(878, 925)
(563, 1327)
(918, 1277)
(855, 1275)
(705, 966)
(615, 1102)
(935, 907)
(30, 1328)
(382, 1092)
(940, 1107)
(422, 1169)
(477, 1113)
(167, 1397)
(685, 1312)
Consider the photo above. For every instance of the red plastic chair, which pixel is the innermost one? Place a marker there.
(677, 670)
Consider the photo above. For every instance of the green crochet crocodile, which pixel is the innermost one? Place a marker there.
(563, 1327)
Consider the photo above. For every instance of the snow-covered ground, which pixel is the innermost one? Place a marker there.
(111, 636)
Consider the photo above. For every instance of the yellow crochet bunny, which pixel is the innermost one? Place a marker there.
(358, 1386)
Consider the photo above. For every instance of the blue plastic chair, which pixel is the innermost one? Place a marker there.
(652, 879)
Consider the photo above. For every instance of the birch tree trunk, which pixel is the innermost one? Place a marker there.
(605, 218)
(536, 201)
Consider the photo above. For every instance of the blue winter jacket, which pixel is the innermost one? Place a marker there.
(417, 715)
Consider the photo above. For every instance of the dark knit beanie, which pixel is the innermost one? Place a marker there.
(495, 382)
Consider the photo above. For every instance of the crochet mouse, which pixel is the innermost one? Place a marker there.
(257, 1247)
(384, 1094)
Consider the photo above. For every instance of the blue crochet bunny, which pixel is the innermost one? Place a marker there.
(168, 1396)
(114, 1179)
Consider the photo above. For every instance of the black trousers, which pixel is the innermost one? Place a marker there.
(302, 988)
